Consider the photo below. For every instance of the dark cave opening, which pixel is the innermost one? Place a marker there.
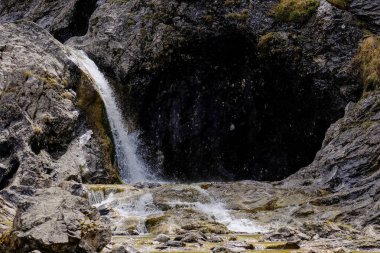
(218, 112)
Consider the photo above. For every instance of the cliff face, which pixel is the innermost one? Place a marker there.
(224, 90)
(221, 90)
(63, 19)
(45, 137)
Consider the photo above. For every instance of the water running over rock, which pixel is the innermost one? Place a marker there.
(132, 167)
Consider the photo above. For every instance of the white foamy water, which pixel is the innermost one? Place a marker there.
(221, 214)
(132, 167)
(224, 216)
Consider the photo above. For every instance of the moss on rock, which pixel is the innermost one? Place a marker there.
(295, 10)
(152, 223)
(92, 104)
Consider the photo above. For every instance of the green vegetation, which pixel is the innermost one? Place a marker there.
(47, 79)
(106, 188)
(153, 222)
(37, 129)
(368, 58)
(265, 40)
(67, 95)
(241, 16)
(230, 3)
(342, 4)
(295, 10)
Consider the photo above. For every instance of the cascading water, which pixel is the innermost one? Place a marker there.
(130, 207)
(132, 167)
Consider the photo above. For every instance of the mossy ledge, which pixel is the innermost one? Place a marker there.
(368, 59)
(295, 10)
(92, 104)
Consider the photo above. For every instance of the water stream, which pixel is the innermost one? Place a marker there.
(131, 165)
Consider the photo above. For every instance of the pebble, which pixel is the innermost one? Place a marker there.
(162, 238)
(175, 244)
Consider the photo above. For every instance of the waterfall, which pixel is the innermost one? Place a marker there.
(132, 167)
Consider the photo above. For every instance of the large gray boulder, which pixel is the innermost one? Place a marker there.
(54, 220)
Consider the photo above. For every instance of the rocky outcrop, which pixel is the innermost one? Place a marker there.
(223, 90)
(368, 11)
(54, 220)
(46, 138)
(63, 19)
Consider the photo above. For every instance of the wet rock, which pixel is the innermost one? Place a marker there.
(162, 238)
(150, 185)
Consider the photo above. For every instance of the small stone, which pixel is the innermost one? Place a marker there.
(232, 238)
(119, 248)
(175, 244)
(215, 239)
(179, 237)
(341, 250)
(287, 245)
(222, 250)
(134, 232)
(162, 238)
(191, 238)
(161, 247)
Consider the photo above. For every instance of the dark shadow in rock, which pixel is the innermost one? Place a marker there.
(9, 174)
(80, 21)
(55, 150)
(218, 112)
(6, 149)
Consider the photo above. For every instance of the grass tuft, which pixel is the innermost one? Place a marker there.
(368, 58)
(295, 10)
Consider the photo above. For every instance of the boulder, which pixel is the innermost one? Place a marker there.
(162, 238)
(54, 220)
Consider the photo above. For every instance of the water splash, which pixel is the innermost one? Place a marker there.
(218, 210)
(132, 168)
(222, 215)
